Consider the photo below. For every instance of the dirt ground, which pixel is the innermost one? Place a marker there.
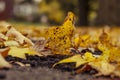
(41, 69)
(40, 73)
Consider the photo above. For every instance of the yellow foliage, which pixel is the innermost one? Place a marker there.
(53, 10)
(104, 39)
(13, 34)
(78, 59)
(88, 57)
(82, 41)
(114, 55)
(105, 51)
(102, 66)
(20, 52)
(60, 38)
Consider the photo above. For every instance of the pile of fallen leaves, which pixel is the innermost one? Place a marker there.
(89, 48)
(13, 43)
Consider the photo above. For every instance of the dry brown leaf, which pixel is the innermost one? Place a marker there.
(20, 64)
(11, 43)
(3, 26)
(4, 63)
(3, 37)
(117, 70)
(4, 52)
(17, 36)
(40, 47)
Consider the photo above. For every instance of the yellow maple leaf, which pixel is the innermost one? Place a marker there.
(78, 59)
(105, 52)
(102, 66)
(104, 39)
(82, 40)
(60, 37)
(88, 57)
(20, 52)
(114, 55)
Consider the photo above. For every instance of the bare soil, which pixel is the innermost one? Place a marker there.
(41, 69)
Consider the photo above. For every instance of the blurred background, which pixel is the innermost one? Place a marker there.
(53, 12)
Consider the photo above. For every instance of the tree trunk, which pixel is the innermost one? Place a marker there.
(108, 12)
(83, 12)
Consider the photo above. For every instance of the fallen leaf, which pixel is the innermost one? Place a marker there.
(3, 26)
(11, 43)
(40, 47)
(4, 51)
(117, 70)
(59, 39)
(20, 64)
(4, 63)
(78, 59)
(12, 33)
(114, 55)
(20, 52)
(102, 66)
(3, 37)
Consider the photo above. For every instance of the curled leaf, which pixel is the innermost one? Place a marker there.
(4, 63)
(11, 43)
(3, 37)
(4, 52)
(40, 47)
(59, 39)
(17, 36)
(4, 28)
